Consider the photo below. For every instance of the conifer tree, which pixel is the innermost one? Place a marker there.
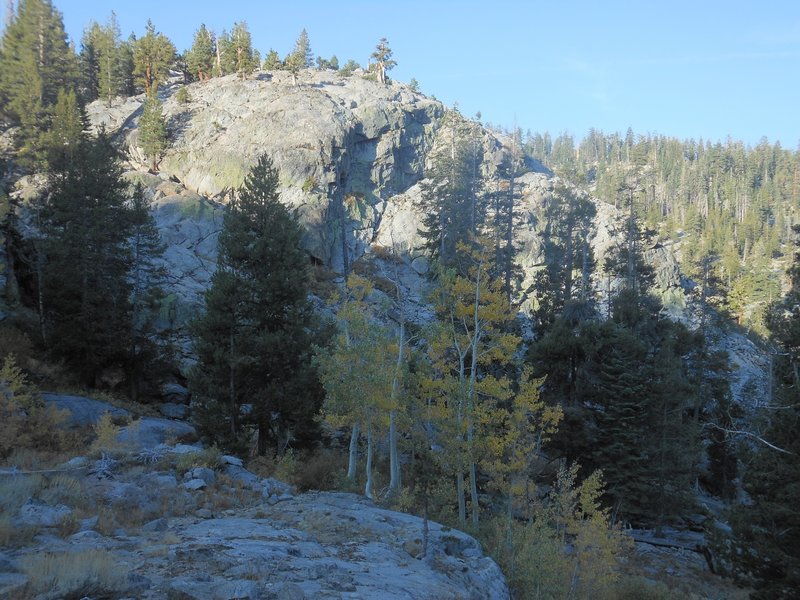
(85, 282)
(104, 63)
(36, 61)
(301, 57)
(383, 60)
(766, 552)
(153, 137)
(147, 275)
(273, 61)
(567, 220)
(255, 338)
(152, 56)
(200, 59)
(237, 51)
(452, 191)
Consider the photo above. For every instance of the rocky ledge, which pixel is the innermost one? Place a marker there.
(179, 522)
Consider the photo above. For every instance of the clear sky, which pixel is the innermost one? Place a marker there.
(690, 69)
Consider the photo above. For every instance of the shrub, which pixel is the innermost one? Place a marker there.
(639, 588)
(62, 489)
(349, 67)
(309, 184)
(210, 457)
(93, 573)
(68, 525)
(106, 433)
(182, 95)
(288, 467)
(320, 470)
(26, 421)
(14, 535)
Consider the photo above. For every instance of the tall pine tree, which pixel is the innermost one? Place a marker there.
(86, 256)
(255, 339)
(36, 62)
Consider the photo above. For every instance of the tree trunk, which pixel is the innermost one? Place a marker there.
(462, 505)
(394, 459)
(353, 455)
(232, 383)
(262, 438)
(473, 490)
(40, 296)
(368, 489)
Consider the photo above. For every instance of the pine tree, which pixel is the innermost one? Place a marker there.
(567, 223)
(767, 531)
(147, 275)
(89, 64)
(153, 137)
(301, 57)
(152, 56)
(200, 59)
(273, 61)
(104, 63)
(241, 50)
(85, 283)
(452, 191)
(35, 63)
(254, 340)
(383, 60)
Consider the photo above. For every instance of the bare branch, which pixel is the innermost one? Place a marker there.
(751, 435)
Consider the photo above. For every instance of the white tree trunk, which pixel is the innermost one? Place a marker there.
(473, 481)
(394, 458)
(462, 504)
(368, 489)
(353, 459)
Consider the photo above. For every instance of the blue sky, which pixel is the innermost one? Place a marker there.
(695, 69)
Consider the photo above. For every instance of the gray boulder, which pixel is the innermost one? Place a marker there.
(83, 411)
(195, 484)
(174, 393)
(149, 432)
(203, 473)
(42, 515)
(174, 411)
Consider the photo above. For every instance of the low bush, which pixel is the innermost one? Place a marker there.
(26, 421)
(92, 573)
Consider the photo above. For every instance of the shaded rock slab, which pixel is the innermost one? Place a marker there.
(326, 545)
(83, 411)
(149, 432)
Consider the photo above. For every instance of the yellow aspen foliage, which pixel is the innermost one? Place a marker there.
(472, 335)
(25, 420)
(105, 434)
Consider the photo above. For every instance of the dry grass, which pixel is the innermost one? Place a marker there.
(13, 535)
(94, 573)
(208, 457)
(318, 470)
(63, 489)
(68, 525)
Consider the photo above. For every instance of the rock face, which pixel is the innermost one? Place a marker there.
(351, 154)
(344, 146)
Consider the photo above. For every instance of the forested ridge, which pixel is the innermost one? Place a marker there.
(730, 205)
(546, 431)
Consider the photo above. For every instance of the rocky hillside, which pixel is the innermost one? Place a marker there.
(351, 154)
(173, 521)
